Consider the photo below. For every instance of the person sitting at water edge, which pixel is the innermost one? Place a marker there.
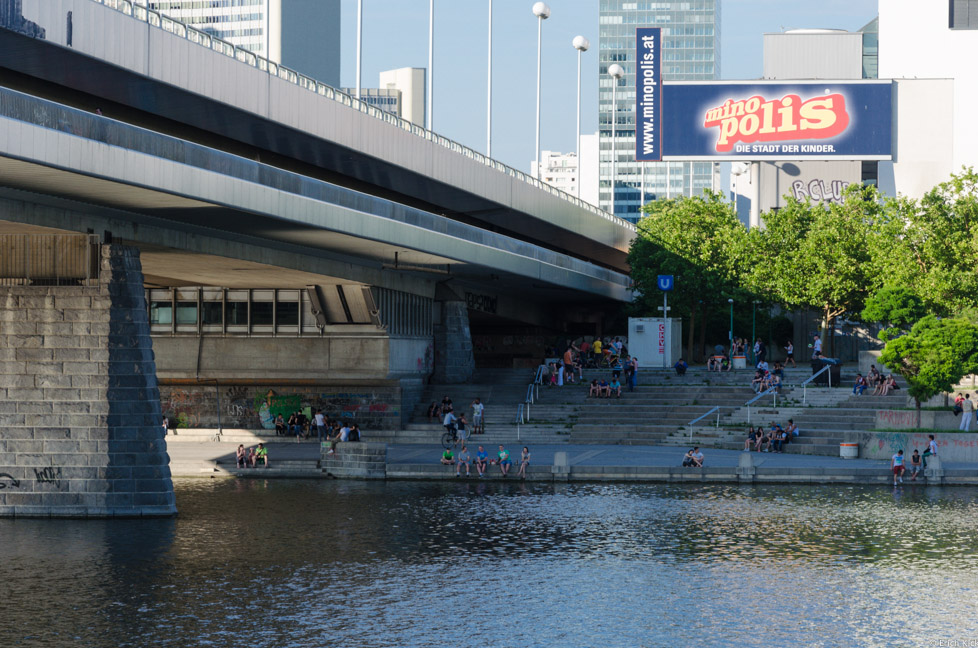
(448, 457)
(261, 455)
(751, 439)
(241, 456)
(463, 458)
(524, 462)
(503, 461)
(915, 465)
(481, 461)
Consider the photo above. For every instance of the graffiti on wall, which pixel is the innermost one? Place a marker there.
(819, 190)
(258, 407)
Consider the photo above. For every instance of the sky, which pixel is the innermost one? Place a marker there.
(395, 34)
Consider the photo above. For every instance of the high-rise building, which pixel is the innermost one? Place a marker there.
(303, 35)
(690, 52)
(401, 93)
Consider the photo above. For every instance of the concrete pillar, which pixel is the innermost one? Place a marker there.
(454, 362)
(80, 425)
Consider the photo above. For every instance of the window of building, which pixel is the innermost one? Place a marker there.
(963, 14)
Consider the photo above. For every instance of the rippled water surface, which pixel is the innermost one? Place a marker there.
(303, 563)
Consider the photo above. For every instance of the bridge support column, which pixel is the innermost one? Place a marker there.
(454, 362)
(80, 426)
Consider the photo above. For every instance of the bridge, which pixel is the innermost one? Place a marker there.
(181, 220)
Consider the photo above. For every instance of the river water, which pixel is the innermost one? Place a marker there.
(314, 563)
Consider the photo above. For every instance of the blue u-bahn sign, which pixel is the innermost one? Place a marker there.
(665, 283)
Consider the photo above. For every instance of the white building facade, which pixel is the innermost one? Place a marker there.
(558, 169)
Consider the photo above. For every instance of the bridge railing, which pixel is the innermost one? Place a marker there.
(155, 19)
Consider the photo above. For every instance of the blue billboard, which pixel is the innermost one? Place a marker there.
(648, 91)
(758, 120)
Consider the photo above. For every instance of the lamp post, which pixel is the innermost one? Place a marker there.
(359, 42)
(753, 331)
(431, 61)
(581, 44)
(542, 12)
(616, 72)
(730, 301)
(489, 91)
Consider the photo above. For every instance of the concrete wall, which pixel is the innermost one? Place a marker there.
(907, 419)
(374, 406)
(229, 358)
(80, 432)
(813, 54)
(883, 445)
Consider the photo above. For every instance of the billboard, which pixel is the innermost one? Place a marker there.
(648, 93)
(761, 120)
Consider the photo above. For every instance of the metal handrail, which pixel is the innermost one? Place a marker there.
(804, 385)
(771, 391)
(198, 37)
(697, 420)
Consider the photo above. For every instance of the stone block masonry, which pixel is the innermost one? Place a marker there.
(80, 424)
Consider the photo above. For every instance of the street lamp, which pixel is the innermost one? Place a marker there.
(489, 91)
(753, 330)
(359, 42)
(581, 44)
(617, 72)
(730, 301)
(542, 12)
(431, 61)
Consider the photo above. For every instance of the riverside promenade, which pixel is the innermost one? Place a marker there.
(586, 462)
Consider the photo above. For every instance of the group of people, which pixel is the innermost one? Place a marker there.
(774, 439)
(459, 425)
(693, 458)
(605, 389)
(325, 428)
(482, 461)
(765, 378)
(882, 385)
(917, 461)
(252, 457)
(965, 407)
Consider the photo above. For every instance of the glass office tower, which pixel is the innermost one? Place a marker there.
(690, 52)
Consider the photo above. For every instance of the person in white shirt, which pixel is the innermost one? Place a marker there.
(477, 409)
(817, 347)
(320, 422)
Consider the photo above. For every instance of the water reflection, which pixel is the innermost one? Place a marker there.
(283, 563)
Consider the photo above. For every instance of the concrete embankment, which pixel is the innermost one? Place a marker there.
(577, 463)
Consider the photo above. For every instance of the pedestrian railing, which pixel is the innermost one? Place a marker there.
(804, 385)
(155, 19)
(773, 391)
(697, 420)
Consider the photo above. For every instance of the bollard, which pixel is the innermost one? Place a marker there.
(746, 469)
(561, 467)
(934, 472)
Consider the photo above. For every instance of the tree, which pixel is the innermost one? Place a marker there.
(934, 356)
(817, 256)
(696, 240)
(932, 244)
(896, 307)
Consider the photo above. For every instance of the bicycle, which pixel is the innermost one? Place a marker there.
(450, 438)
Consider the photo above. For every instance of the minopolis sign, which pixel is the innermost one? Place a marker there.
(817, 120)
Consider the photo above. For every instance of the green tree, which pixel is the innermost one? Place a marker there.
(695, 239)
(934, 356)
(817, 256)
(896, 307)
(932, 244)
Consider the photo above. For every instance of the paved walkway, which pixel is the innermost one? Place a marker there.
(543, 455)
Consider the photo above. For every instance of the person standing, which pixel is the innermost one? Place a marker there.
(967, 413)
(477, 409)
(816, 347)
(320, 422)
(790, 350)
(633, 376)
(896, 465)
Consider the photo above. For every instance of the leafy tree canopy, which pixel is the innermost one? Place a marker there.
(895, 306)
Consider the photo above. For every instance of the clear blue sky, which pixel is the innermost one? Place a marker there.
(396, 35)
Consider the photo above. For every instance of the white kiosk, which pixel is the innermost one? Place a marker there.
(655, 341)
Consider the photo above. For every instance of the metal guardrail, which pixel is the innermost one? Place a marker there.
(773, 391)
(804, 385)
(697, 420)
(156, 19)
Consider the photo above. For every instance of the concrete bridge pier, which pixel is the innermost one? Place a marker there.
(80, 425)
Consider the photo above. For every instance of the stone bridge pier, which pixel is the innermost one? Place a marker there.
(80, 426)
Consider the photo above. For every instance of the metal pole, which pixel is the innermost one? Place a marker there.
(359, 42)
(489, 91)
(665, 321)
(539, 58)
(578, 135)
(614, 137)
(431, 60)
(731, 325)
(753, 331)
